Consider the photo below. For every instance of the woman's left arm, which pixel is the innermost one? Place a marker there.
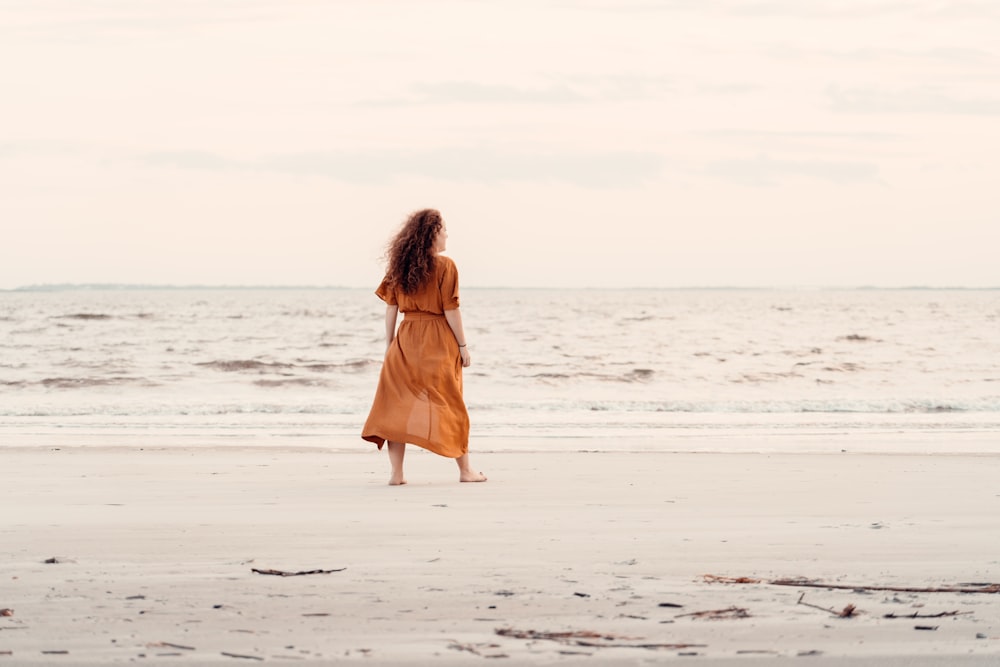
(454, 318)
(391, 313)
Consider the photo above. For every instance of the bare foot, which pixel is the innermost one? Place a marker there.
(465, 471)
(397, 450)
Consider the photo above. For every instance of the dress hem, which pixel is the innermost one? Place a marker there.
(419, 442)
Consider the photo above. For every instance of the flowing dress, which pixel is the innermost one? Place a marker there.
(419, 395)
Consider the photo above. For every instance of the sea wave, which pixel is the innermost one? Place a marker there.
(244, 365)
(292, 382)
(88, 382)
(514, 410)
(259, 366)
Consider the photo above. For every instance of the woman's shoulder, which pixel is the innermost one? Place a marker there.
(443, 263)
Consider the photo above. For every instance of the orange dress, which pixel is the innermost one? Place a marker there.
(419, 396)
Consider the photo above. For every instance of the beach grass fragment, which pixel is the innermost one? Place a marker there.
(477, 649)
(719, 614)
(169, 645)
(941, 614)
(847, 612)
(241, 656)
(589, 639)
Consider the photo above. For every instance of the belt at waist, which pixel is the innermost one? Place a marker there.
(419, 315)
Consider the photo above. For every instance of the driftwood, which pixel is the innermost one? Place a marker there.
(652, 647)
(238, 655)
(716, 614)
(919, 615)
(564, 637)
(586, 637)
(169, 645)
(812, 583)
(847, 612)
(282, 573)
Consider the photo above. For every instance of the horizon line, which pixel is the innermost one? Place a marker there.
(81, 287)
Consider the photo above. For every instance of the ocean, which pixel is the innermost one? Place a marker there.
(247, 365)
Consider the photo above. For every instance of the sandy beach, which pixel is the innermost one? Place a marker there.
(571, 556)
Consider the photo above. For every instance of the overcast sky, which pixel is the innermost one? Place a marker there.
(567, 143)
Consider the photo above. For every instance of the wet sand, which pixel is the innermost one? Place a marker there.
(564, 557)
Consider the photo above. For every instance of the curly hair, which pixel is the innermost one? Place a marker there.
(410, 255)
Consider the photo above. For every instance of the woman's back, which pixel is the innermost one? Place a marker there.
(438, 293)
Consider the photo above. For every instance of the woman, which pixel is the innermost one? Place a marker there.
(419, 396)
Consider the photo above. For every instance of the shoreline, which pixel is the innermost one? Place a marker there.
(791, 441)
(155, 547)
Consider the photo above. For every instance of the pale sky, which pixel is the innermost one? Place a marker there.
(567, 143)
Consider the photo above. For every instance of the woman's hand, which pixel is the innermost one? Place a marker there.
(466, 357)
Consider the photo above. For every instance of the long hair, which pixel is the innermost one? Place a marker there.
(410, 255)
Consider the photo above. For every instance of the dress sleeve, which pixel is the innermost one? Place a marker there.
(386, 293)
(449, 286)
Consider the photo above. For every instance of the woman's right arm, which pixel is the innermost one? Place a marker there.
(391, 313)
(454, 318)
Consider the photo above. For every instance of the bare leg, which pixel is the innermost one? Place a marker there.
(396, 452)
(466, 473)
